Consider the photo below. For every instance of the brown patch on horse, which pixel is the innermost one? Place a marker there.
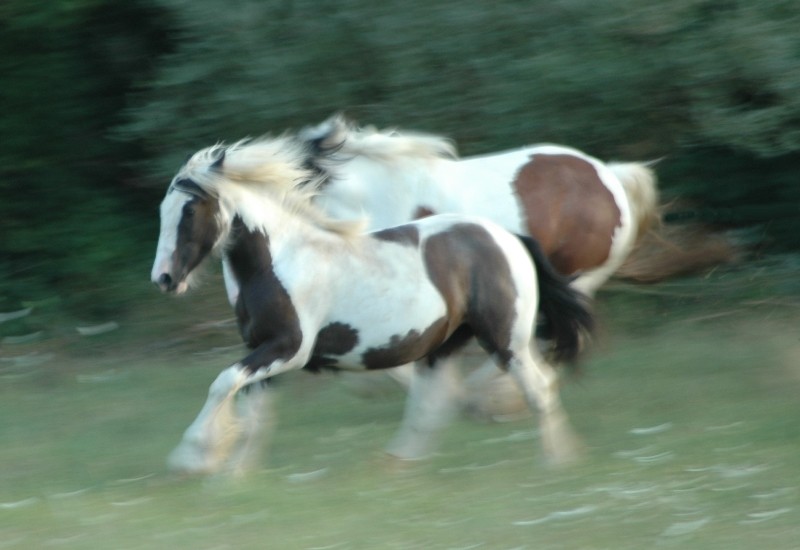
(474, 278)
(402, 234)
(422, 212)
(568, 210)
(404, 349)
(467, 267)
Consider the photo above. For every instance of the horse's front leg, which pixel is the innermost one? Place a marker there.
(208, 440)
(232, 421)
(255, 414)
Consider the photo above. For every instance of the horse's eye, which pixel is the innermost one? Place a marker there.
(188, 211)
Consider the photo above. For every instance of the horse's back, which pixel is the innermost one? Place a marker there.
(571, 203)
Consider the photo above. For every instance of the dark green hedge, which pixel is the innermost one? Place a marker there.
(71, 210)
(103, 100)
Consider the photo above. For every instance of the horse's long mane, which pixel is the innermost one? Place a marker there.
(338, 139)
(269, 167)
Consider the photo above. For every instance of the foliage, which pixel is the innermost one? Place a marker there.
(730, 189)
(709, 85)
(602, 76)
(68, 205)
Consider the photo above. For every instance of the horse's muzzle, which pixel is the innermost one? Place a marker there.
(166, 283)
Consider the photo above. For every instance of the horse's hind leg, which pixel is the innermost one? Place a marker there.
(539, 383)
(430, 406)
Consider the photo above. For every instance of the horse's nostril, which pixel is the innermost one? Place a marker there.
(164, 281)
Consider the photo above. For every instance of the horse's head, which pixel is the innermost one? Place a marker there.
(257, 181)
(190, 229)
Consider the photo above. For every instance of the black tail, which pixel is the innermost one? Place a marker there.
(564, 311)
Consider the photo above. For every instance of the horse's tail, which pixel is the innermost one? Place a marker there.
(641, 187)
(565, 316)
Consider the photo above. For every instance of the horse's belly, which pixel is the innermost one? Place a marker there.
(385, 334)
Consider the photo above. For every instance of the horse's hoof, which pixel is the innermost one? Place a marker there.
(567, 454)
(187, 462)
(410, 448)
(395, 465)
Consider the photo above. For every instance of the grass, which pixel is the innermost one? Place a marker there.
(688, 408)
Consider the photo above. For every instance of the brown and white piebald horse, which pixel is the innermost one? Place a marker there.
(314, 292)
(585, 214)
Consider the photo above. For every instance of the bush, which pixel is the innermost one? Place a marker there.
(710, 85)
(70, 212)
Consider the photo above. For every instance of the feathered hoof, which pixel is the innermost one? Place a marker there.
(410, 447)
(563, 448)
(498, 400)
(192, 459)
(393, 465)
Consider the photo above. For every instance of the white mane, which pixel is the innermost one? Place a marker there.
(337, 138)
(265, 165)
(271, 168)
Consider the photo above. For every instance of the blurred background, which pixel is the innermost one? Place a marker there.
(104, 100)
(690, 406)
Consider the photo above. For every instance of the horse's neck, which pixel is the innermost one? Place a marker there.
(282, 236)
(389, 192)
(268, 216)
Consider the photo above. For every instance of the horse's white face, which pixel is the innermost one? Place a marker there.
(189, 231)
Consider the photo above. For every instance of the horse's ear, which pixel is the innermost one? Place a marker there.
(217, 164)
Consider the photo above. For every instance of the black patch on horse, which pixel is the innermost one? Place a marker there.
(317, 151)
(407, 348)
(197, 232)
(462, 335)
(403, 234)
(188, 186)
(335, 339)
(264, 310)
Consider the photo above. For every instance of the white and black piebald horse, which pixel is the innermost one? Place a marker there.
(586, 214)
(314, 292)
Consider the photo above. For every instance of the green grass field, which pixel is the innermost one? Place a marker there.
(688, 406)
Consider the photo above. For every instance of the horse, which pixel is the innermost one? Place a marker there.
(587, 215)
(319, 293)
